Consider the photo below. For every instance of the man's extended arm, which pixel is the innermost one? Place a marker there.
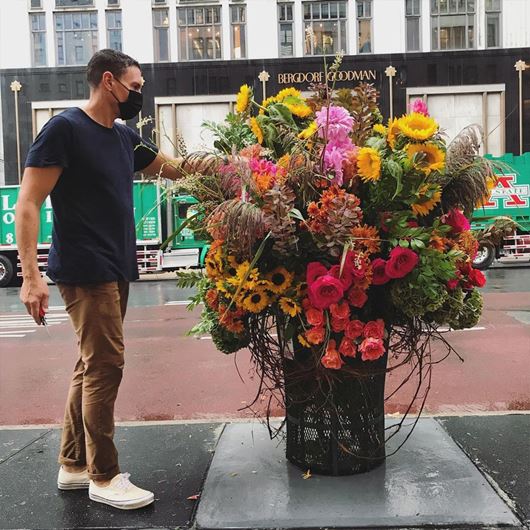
(176, 168)
(36, 185)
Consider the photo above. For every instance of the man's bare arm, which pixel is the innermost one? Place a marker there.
(37, 184)
(176, 168)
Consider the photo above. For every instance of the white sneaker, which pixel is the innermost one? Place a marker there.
(121, 493)
(72, 481)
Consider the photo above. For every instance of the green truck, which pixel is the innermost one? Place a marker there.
(158, 214)
(503, 224)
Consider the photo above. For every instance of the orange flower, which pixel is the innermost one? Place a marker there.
(332, 357)
(437, 243)
(315, 316)
(264, 182)
(315, 335)
(367, 237)
(340, 310)
(347, 347)
(339, 324)
(212, 299)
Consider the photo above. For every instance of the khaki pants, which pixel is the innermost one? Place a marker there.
(97, 313)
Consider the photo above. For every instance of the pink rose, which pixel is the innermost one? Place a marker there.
(401, 262)
(340, 310)
(357, 297)
(315, 335)
(315, 316)
(324, 291)
(354, 329)
(339, 324)
(332, 357)
(457, 221)
(348, 348)
(380, 277)
(374, 329)
(371, 349)
(314, 271)
(346, 276)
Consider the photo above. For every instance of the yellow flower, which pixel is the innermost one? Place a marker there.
(285, 161)
(266, 103)
(417, 126)
(369, 164)
(393, 130)
(303, 342)
(429, 197)
(379, 128)
(432, 157)
(309, 131)
(213, 265)
(289, 306)
(287, 92)
(256, 129)
(243, 99)
(256, 301)
(299, 109)
(281, 279)
(491, 182)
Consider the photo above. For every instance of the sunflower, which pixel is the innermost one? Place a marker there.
(392, 132)
(301, 110)
(281, 279)
(266, 103)
(309, 131)
(256, 129)
(303, 342)
(369, 164)
(428, 198)
(256, 300)
(287, 92)
(417, 126)
(213, 265)
(243, 99)
(429, 157)
(289, 306)
(379, 128)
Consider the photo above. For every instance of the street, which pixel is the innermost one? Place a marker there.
(171, 376)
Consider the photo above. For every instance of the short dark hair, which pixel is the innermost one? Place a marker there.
(108, 60)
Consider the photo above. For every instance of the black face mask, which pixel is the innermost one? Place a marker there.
(132, 106)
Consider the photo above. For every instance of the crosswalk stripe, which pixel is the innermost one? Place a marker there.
(2, 333)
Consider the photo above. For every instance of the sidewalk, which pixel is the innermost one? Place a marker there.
(175, 461)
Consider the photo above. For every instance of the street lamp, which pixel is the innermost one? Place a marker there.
(391, 73)
(15, 88)
(520, 66)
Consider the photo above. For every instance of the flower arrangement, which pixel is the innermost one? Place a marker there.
(337, 238)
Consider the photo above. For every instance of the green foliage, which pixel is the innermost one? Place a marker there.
(234, 133)
(471, 311)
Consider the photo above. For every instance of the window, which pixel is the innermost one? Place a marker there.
(199, 33)
(74, 3)
(453, 24)
(325, 27)
(413, 18)
(113, 3)
(35, 4)
(161, 34)
(493, 23)
(238, 31)
(38, 39)
(286, 22)
(364, 25)
(76, 35)
(114, 29)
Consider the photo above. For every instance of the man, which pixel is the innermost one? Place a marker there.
(86, 161)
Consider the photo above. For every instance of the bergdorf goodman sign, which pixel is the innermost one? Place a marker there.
(319, 77)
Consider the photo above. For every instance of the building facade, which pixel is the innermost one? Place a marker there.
(459, 55)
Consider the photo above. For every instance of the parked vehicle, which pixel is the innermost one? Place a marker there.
(503, 224)
(158, 214)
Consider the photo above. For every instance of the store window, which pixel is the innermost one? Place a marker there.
(161, 34)
(413, 23)
(364, 26)
(325, 28)
(74, 3)
(38, 39)
(114, 39)
(493, 23)
(453, 24)
(238, 31)
(199, 33)
(76, 35)
(286, 29)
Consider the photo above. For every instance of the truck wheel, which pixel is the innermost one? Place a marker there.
(485, 255)
(7, 271)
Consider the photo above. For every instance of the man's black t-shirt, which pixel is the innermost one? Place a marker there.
(94, 237)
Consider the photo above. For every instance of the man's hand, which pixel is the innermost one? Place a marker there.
(35, 294)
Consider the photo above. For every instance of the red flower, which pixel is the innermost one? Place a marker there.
(357, 297)
(339, 324)
(340, 310)
(347, 347)
(355, 264)
(477, 278)
(401, 262)
(314, 271)
(371, 349)
(457, 221)
(380, 276)
(306, 304)
(452, 284)
(315, 316)
(324, 291)
(332, 358)
(315, 335)
(354, 329)
(346, 276)
(374, 329)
